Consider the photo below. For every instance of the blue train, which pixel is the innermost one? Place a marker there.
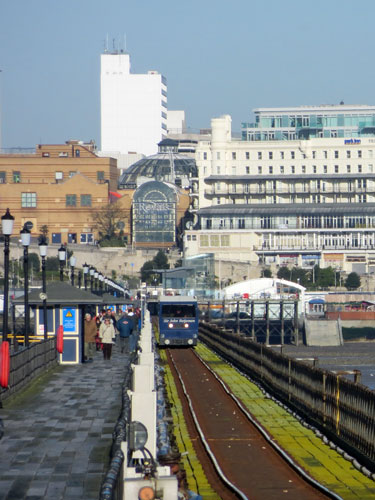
(178, 321)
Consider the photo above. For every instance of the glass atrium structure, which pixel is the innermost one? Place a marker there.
(166, 166)
(308, 122)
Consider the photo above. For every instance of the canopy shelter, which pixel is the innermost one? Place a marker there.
(66, 306)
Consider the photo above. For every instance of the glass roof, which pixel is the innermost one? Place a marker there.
(158, 167)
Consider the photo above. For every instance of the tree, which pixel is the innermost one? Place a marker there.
(147, 271)
(52, 264)
(161, 260)
(34, 262)
(326, 277)
(44, 231)
(353, 281)
(284, 273)
(109, 222)
(266, 273)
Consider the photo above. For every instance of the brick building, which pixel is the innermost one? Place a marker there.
(59, 186)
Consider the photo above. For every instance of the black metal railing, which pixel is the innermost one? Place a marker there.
(28, 363)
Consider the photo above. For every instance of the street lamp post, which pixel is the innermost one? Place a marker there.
(25, 239)
(96, 274)
(72, 266)
(62, 256)
(101, 279)
(43, 253)
(7, 221)
(92, 271)
(85, 272)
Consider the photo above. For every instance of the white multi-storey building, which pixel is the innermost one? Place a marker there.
(133, 107)
(297, 190)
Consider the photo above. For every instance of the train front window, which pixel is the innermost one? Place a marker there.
(178, 311)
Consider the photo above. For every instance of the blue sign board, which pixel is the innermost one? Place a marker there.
(69, 320)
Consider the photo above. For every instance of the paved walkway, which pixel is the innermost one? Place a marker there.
(58, 432)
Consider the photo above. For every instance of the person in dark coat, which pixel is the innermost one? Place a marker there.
(125, 329)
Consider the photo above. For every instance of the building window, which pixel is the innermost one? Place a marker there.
(314, 154)
(359, 169)
(270, 155)
(270, 170)
(314, 169)
(293, 169)
(59, 176)
(241, 223)
(259, 155)
(348, 169)
(77, 153)
(233, 155)
(370, 153)
(203, 239)
(325, 169)
(3, 177)
(336, 169)
(85, 200)
(282, 155)
(359, 153)
(205, 156)
(16, 177)
(218, 155)
(247, 155)
(348, 154)
(259, 170)
(71, 200)
(233, 170)
(218, 170)
(336, 154)
(325, 153)
(28, 200)
(100, 175)
(72, 173)
(282, 169)
(247, 170)
(292, 155)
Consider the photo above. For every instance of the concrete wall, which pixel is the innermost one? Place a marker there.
(323, 333)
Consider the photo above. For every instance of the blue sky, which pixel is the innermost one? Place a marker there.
(218, 57)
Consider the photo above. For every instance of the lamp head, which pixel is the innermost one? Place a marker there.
(7, 221)
(62, 254)
(43, 246)
(25, 236)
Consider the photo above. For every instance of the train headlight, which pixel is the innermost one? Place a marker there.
(170, 325)
(190, 341)
(167, 342)
(146, 493)
(186, 325)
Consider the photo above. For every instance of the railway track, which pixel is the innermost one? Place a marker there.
(238, 460)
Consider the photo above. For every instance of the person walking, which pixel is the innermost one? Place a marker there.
(134, 337)
(107, 334)
(90, 331)
(125, 328)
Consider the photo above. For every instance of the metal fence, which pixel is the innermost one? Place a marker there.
(342, 409)
(27, 363)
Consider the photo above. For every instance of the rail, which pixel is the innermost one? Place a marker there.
(342, 409)
(27, 363)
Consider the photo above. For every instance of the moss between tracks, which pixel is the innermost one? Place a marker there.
(321, 462)
(196, 478)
